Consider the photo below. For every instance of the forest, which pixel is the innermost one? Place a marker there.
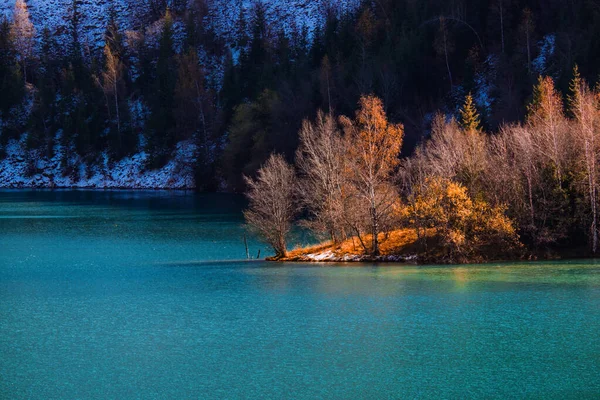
(492, 101)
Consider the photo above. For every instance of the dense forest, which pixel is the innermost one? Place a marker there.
(157, 85)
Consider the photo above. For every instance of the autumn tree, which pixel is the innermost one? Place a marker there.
(272, 205)
(24, 34)
(373, 156)
(465, 228)
(321, 159)
(469, 117)
(110, 83)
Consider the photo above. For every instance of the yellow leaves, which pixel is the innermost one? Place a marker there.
(469, 118)
(464, 225)
(547, 102)
(375, 143)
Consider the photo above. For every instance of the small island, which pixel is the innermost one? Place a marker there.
(463, 196)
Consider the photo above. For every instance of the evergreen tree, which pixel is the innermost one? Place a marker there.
(256, 66)
(42, 122)
(574, 91)
(12, 87)
(469, 118)
(162, 122)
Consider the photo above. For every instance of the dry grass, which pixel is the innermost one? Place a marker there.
(398, 242)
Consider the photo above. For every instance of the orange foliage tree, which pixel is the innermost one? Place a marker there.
(465, 227)
(373, 152)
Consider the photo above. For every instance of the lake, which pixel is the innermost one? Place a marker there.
(118, 295)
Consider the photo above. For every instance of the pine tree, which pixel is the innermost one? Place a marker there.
(162, 120)
(256, 66)
(574, 91)
(44, 110)
(12, 88)
(75, 54)
(469, 118)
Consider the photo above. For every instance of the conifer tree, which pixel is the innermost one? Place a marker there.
(12, 88)
(162, 121)
(75, 52)
(469, 118)
(574, 91)
(44, 110)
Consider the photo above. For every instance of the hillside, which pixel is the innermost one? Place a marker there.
(132, 14)
(236, 78)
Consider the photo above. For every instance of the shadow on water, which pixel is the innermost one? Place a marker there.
(144, 199)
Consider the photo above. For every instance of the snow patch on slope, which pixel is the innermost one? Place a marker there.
(542, 63)
(223, 14)
(23, 168)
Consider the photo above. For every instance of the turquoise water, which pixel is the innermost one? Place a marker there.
(139, 295)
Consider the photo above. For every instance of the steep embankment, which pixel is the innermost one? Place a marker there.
(20, 167)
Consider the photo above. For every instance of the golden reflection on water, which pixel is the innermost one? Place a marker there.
(586, 272)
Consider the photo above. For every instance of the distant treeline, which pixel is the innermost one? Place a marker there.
(175, 79)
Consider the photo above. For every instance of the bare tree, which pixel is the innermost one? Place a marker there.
(374, 149)
(444, 45)
(514, 171)
(526, 28)
(456, 154)
(272, 203)
(321, 161)
(500, 8)
(547, 120)
(584, 107)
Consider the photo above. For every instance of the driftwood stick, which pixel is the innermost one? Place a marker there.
(246, 245)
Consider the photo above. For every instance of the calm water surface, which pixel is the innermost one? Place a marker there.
(141, 295)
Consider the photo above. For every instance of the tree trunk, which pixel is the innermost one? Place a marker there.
(528, 51)
(118, 117)
(375, 232)
(446, 54)
(502, 25)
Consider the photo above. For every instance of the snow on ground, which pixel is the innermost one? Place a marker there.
(223, 14)
(542, 63)
(21, 168)
(330, 256)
